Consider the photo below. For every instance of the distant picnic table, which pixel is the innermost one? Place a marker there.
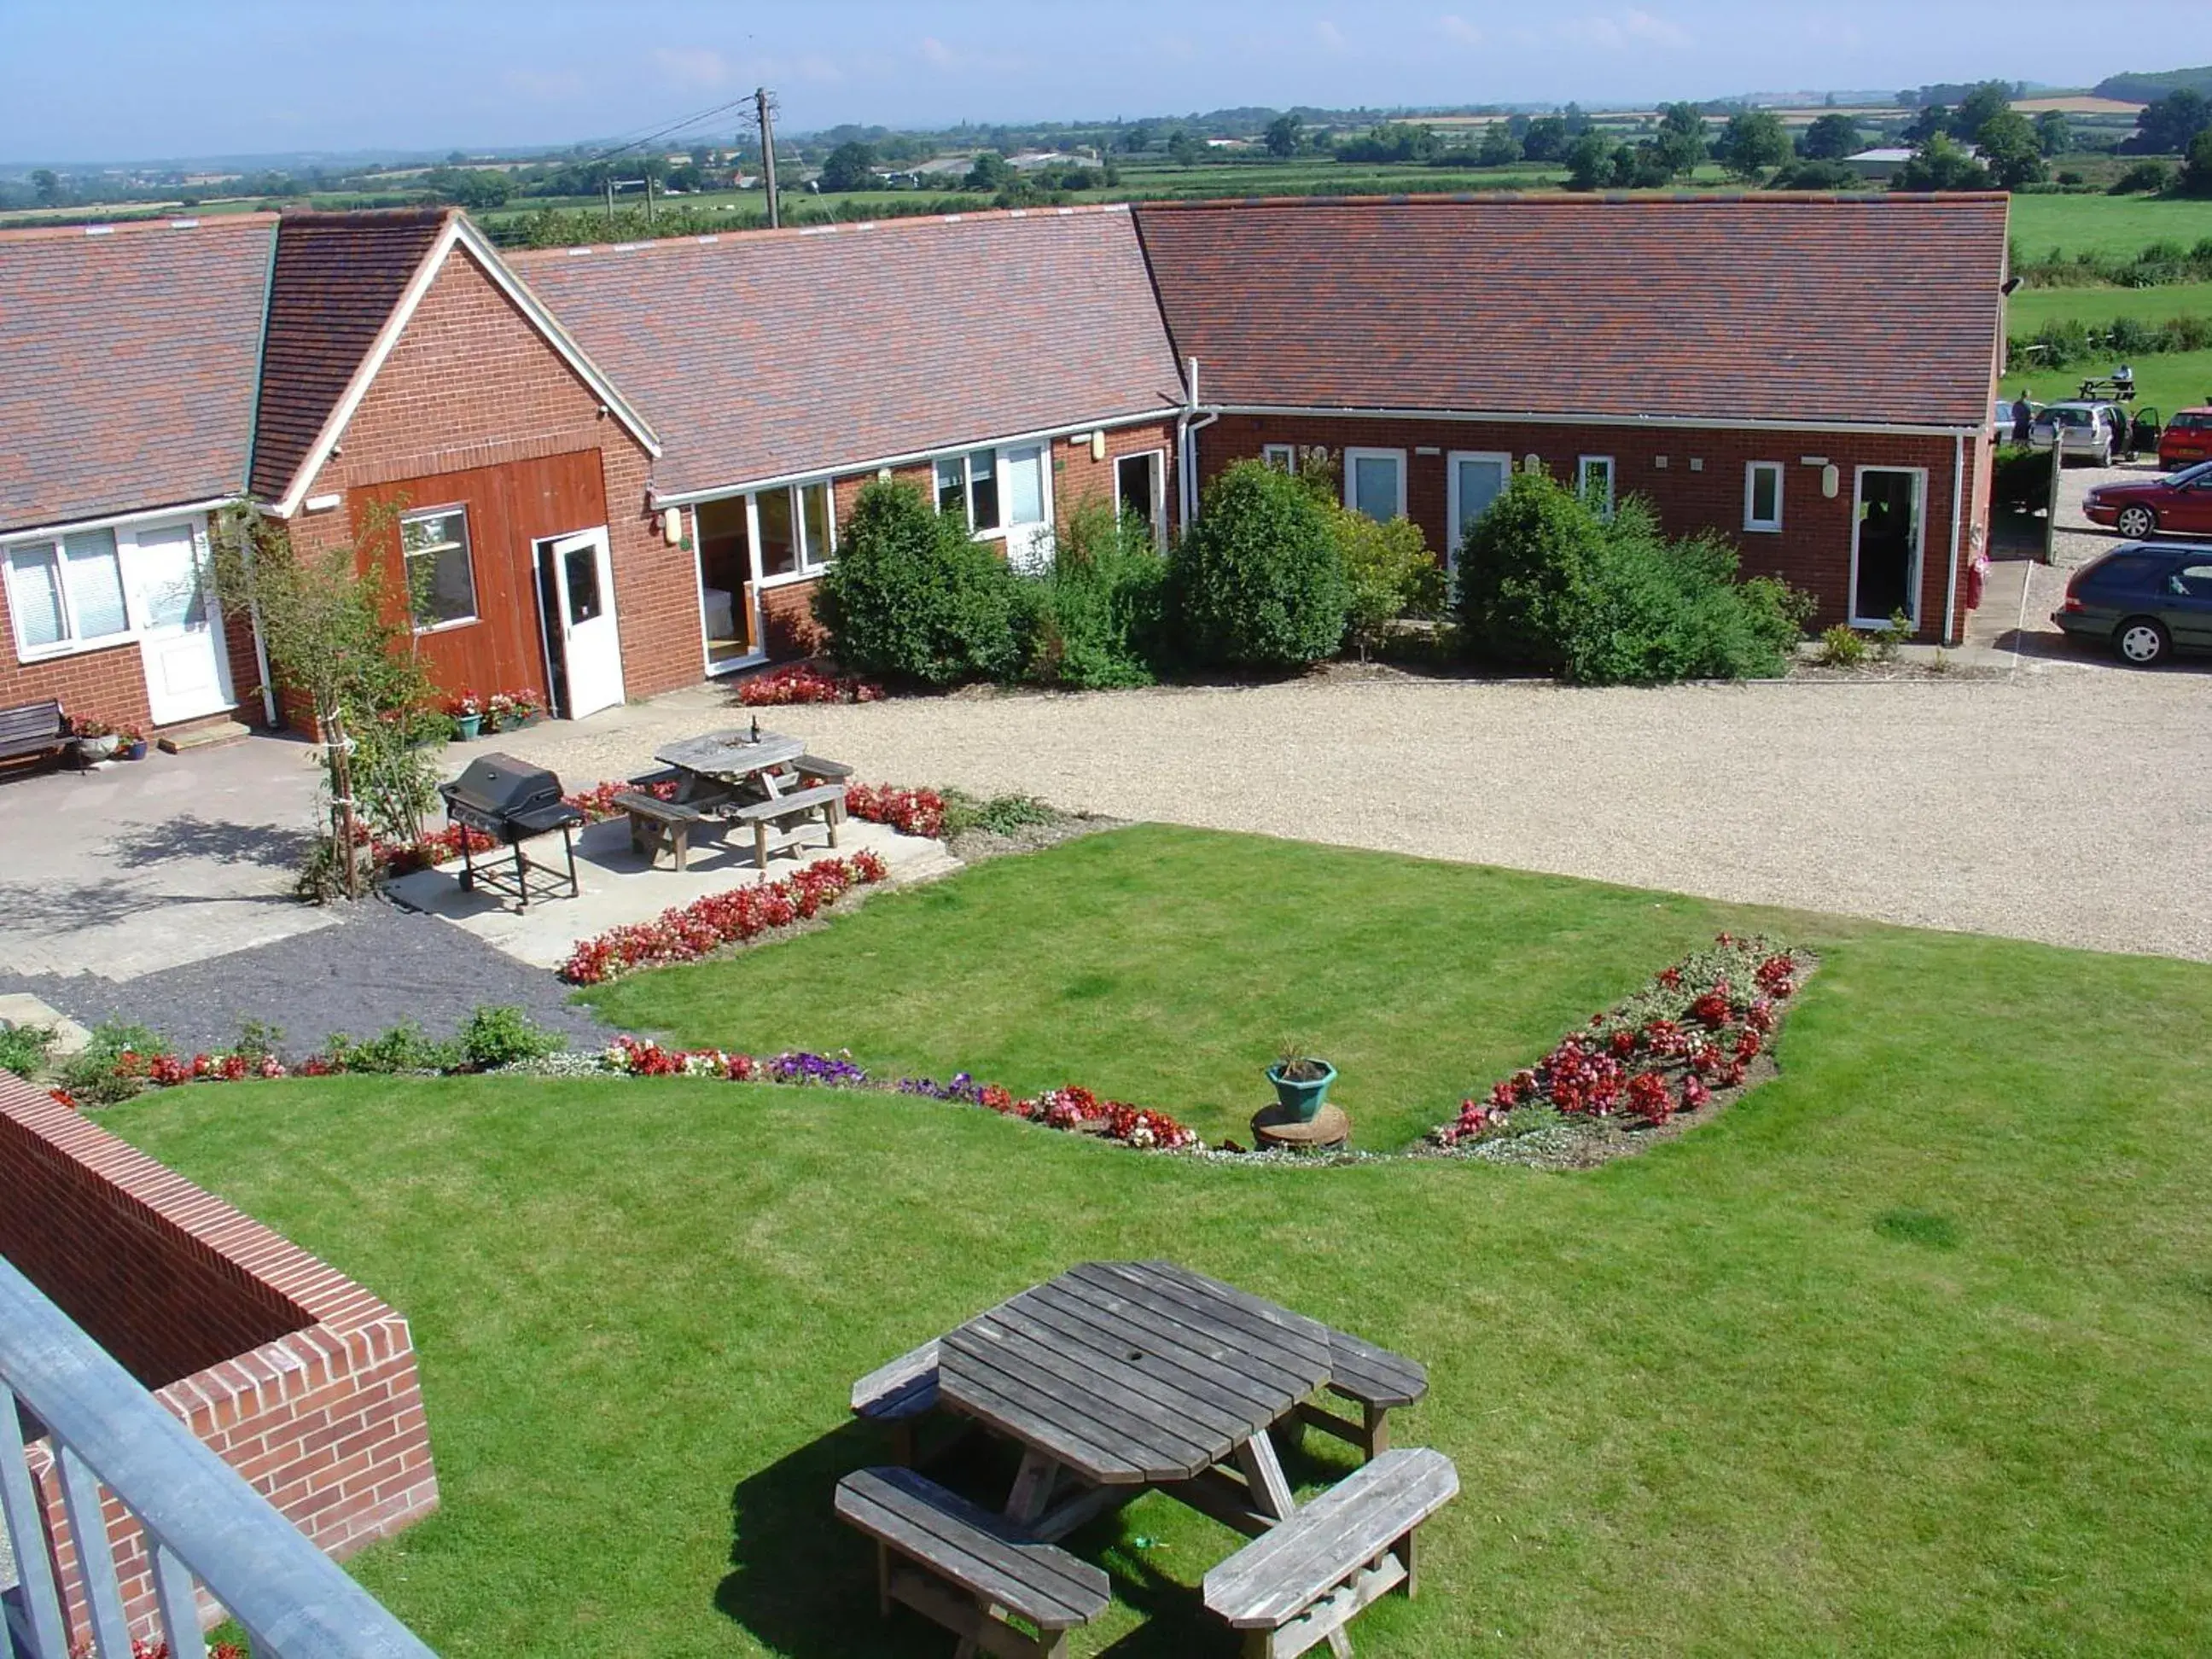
(1121, 1377)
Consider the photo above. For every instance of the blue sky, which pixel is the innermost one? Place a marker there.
(145, 78)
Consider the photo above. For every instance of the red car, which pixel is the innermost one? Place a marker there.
(2179, 501)
(2187, 438)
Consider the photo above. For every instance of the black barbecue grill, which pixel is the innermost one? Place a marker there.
(511, 801)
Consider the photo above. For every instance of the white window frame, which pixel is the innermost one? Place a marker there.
(1752, 521)
(1158, 458)
(467, 544)
(1919, 542)
(126, 532)
(1583, 464)
(1452, 493)
(805, 567)
(1351, 459)
(1283, 458)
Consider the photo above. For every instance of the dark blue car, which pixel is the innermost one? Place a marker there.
(2147, 601)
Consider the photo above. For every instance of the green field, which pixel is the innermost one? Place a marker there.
(1909, 1353)
(2032, 307)
(2165, 381)
(2104, 224)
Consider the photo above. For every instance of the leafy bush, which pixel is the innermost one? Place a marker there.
(405, 1048)
(2143, 179)
(1002, 815)
(1842, 648)
(914, 596)
(1388, 573)
(1099, 610)
(1258, 582)
(2020, 482)
(23, 1049)
(91, 1074)
(1545, 581)
(496, 1036)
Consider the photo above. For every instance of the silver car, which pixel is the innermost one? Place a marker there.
(2081, 431)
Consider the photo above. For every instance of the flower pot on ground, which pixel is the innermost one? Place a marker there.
(134, 749)
(1301, 1084)
(467, 727)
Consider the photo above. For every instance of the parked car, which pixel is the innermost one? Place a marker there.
(2177, 501)
(2147, 601)
(2187, 437)
(2082, 432)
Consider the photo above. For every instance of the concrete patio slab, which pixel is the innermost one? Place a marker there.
(619, 887)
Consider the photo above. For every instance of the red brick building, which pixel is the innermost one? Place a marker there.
(599, 473)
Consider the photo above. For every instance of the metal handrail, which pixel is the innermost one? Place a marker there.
(201, 1518)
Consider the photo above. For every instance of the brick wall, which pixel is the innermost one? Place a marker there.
(1699, 487)
(319, 1405)
(471, 385)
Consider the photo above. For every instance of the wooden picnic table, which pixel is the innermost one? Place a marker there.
(762, 779)
(722, 763)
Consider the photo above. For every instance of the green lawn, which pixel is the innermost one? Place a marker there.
(2032, 307)
(2104, 224)
(1910, 1352)
(2165, 381)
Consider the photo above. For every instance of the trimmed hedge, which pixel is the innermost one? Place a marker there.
(1258, 582)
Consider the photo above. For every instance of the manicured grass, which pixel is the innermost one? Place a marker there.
(2104, 224)
(1168, 968)
(2032, 307)
(2165, 380)
(1910, 1352)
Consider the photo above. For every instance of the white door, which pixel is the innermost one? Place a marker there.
(1028, 506)
(179, 628)
(590, 646)
(1476, 480)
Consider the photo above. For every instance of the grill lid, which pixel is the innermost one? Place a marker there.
(500, 788)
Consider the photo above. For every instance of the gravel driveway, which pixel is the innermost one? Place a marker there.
(2057, 803)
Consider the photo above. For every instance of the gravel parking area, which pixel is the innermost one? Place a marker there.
(2047, 804)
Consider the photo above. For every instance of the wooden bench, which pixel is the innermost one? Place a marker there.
(788, 821)
(901, 1394)
(1303, 1581)
(815, 770)
(968, 1569)
(655, 823)
(33, 728)
(1374, 1380)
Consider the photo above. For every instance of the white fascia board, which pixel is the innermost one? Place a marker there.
(911, 457)
(113, 521)
(1524, 417)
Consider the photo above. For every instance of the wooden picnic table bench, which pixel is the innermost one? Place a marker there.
(1374, 1380)
(790, 820)
(900, 1394)
(656, 824)
(1305, 1579)
(965, 1568)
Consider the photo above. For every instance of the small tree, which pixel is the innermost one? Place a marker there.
(1753, 142)
(1258, 581)
(914, 596)
(1680, 143)
(2054, 134)
(1283, 134)
(1830, 138)
(2010, 151)
(1546, 139)
(1499, 148)
(849, 166)
(1591, 162)
(336, 641)
(2197, 171)
(1988, 101)
(1940, 164)
(1388, 573)
(990, 170)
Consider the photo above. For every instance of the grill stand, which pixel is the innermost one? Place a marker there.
(517, 886)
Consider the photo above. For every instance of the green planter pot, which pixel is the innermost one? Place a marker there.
(466, 727)
(1302, 1100)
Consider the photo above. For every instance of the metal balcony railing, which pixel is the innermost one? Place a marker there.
(203, 1524)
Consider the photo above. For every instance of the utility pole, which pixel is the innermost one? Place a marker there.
(608, 179)
(766, 106)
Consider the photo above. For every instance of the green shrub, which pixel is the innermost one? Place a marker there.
(23, 1048)
(1098, 612)
(1546, 582)
(1842, 648)
(1258, 582)
(914, 596)
(496, 1036)
(1388, 573)
(2020, 482)
(405, 1048)
(2143, 179)
(90, 1074)
(1002, 815)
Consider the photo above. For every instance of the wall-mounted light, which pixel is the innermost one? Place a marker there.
(322, 504)
(883, 475)
(1697, 464)
(1832, 480)
(1531, 464)
(1098, 444)
(671, 526)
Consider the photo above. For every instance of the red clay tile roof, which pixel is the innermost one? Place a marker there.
(1755, 307)
(337, 278)
(756, 355)
(126, 365)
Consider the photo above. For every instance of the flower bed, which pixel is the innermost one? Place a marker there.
(1694, 1029)
(1076, 1110)
(909, 811)
(801, 682)
(706, 925)
(598, 802)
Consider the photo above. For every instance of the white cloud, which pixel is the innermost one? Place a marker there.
(1456, 27)
(936, 53)
(1331, 37)
(691, 66)
(1622, 31)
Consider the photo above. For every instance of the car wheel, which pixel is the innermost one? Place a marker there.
(2141, 640)
(2135, 522)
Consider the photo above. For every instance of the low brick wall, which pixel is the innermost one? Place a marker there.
(302, 1381)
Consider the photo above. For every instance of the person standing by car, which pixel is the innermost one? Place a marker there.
(2023, 415)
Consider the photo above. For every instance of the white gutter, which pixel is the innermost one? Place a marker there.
(1524, 417)
(1958, 495)
(1189, 427)
(911, 457)
(112, 519)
